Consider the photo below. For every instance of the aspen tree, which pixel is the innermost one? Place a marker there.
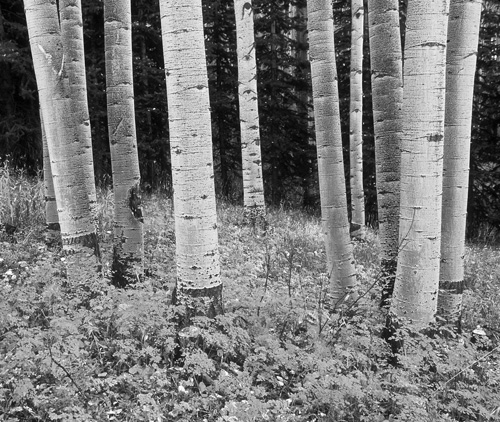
(463, 35)
(356, 120)
(78, 232)
(253, 186)
(417, 276)
(198, 268)
(335, 222)
(387, 96)
(51, 218)
(70, 12)
(128, 248)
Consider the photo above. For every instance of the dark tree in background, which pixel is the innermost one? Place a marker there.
(150, 96)
(93, 33)
(220, 42)
(283, 77)
(484, 184)
(20, 133)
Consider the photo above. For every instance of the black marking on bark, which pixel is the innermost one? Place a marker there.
(436, 137)
(387, 279)
(88, 240)
(433, 44)
(54, 227)
(135, 202)
(456, 287)
(198, 302)
(246, 6)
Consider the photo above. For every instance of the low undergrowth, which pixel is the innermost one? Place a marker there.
(82, 350)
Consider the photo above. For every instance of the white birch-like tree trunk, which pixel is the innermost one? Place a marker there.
(77, 227)
(356, 121)
(128, 247)
(463, 35)
(335, 222)
(198, 268)
(253, 186)
(70, 12)
(387, 98)
(417, 277)
(53, 230)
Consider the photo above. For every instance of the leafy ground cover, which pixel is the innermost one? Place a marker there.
(82, 350)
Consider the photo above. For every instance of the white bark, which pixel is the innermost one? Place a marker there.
(70, 12)
(339, 253)
(128, 223)
(51, 218)
(198, 268)
(387, 97)
(417, 277)
(253, 187)
(463, 34)
(356, 120)
(77, 227)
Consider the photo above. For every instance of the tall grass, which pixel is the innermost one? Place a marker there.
(22, 200)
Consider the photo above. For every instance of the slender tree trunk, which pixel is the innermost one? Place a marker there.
(70, 12)
(417, 277)
(356, 120)
(198, 268)
(68, 171)
(339, 253)
(128, 248)
(463, 34)
(387, 97)
(253, 187)
(53, 230)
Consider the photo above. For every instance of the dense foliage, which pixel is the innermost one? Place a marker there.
(289, 161)
(484, 191)
(82, 350)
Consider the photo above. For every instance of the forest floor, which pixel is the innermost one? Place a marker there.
(81, 350)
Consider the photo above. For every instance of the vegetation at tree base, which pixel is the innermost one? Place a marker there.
(84, 350)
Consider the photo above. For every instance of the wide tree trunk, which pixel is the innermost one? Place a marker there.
(335, 222)
(463, 34)
(356, 120)
(128, 248)
(417, 277)
(253, 187)
(68, 171)
(387, 98)
(198, 268)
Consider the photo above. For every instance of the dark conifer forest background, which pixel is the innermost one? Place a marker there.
(289, 159)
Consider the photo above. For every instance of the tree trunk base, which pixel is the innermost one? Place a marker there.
(255, 217)
(198, 302)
